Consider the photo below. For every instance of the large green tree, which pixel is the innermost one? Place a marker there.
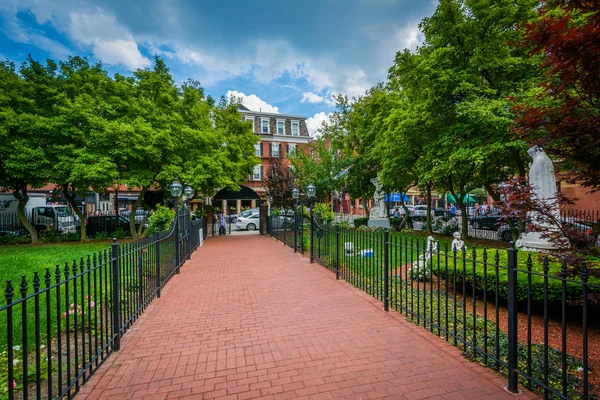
(81, 153)
(28, 100)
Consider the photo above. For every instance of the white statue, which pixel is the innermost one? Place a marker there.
(543, 183)
(378, 210)
(421, 269)
(457, 244)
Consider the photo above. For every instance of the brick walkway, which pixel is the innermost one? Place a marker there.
(248, 318)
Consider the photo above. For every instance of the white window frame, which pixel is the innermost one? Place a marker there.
(275, 149)
(251, 119)
(262, 120)
(277, 126)
(256, 175)
(292, 147)
(297, 123)
(257, 149)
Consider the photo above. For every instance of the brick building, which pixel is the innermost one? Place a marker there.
(277, 136)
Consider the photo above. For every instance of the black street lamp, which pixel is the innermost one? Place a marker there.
(311, 191)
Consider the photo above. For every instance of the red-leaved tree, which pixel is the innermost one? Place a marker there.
(564, 118)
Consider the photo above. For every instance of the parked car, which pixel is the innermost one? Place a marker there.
(440, 212)
(419, 213)
(399, 211)
(490, 221)
(96, 224)
(140, 215)
(234, 217)
(249, 222)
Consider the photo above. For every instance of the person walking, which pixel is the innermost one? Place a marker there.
(452, 211)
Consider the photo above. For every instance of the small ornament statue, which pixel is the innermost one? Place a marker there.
(420, 268)
(457, 244)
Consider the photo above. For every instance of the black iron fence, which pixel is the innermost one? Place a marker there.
(527, 316)
(61, 324)
(289, 228)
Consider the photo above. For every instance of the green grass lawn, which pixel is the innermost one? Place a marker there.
(26, 259)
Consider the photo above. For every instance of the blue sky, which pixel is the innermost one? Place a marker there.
(280, 56)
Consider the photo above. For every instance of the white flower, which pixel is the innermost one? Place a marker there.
(17, 348)
(42, 346)
(580, 369)
(15, 361)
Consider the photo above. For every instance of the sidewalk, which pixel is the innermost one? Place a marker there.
(247, 318)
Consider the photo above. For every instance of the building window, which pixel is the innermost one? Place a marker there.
(258, 149)
(250, 119)
(295, 129)
(274, 149)
(291, 148)
(265, 125)
(257, 173)
(281, 127)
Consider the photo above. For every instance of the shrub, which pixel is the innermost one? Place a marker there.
(120, 233)
(51, 235)
(323, 212)
(484, 276)
(361, 222)
(14, 239)
(102, 235)
(446, 226)
(160, 220)
(275, 212)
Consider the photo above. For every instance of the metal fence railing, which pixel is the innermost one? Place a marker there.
(60, 325)
(527, 316)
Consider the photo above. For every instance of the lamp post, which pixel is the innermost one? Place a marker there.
(176, 190)
(295, 196)
(311, 191)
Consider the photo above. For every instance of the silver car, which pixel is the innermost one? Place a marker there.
(248, 222)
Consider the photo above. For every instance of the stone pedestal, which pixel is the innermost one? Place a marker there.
(384, 222)
(532, 241)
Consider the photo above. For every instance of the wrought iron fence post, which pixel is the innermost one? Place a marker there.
(116, 296)
(284, 227)
(337, 252)
(295, 227)
(386, 271)
(312, 231)
(177, 237)
(189, 235)
(513, 376)
(157, 264)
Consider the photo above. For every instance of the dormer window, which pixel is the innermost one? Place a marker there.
(264, 125)
(280, 127)
(295, 128)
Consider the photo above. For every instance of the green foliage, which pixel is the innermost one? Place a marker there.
(361, 222)
(275, 212)
(323, 212)
(160, 220)
(102, 235)
(51, 235)
(318, 163)
(119, 233)
(13, 239)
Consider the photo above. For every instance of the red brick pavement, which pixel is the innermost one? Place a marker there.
(248, 318)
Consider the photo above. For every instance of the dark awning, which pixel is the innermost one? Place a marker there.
(245, 193)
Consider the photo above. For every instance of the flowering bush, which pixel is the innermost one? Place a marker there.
(75, 314)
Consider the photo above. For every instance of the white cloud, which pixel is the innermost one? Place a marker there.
(124, 52)
(252, 102)
(111, 43)
(315, 122)
(311, 97)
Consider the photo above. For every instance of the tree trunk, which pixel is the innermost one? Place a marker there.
(429, 200)
(20, 193)
(464, 218)
(70, 196)
(140, 199)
